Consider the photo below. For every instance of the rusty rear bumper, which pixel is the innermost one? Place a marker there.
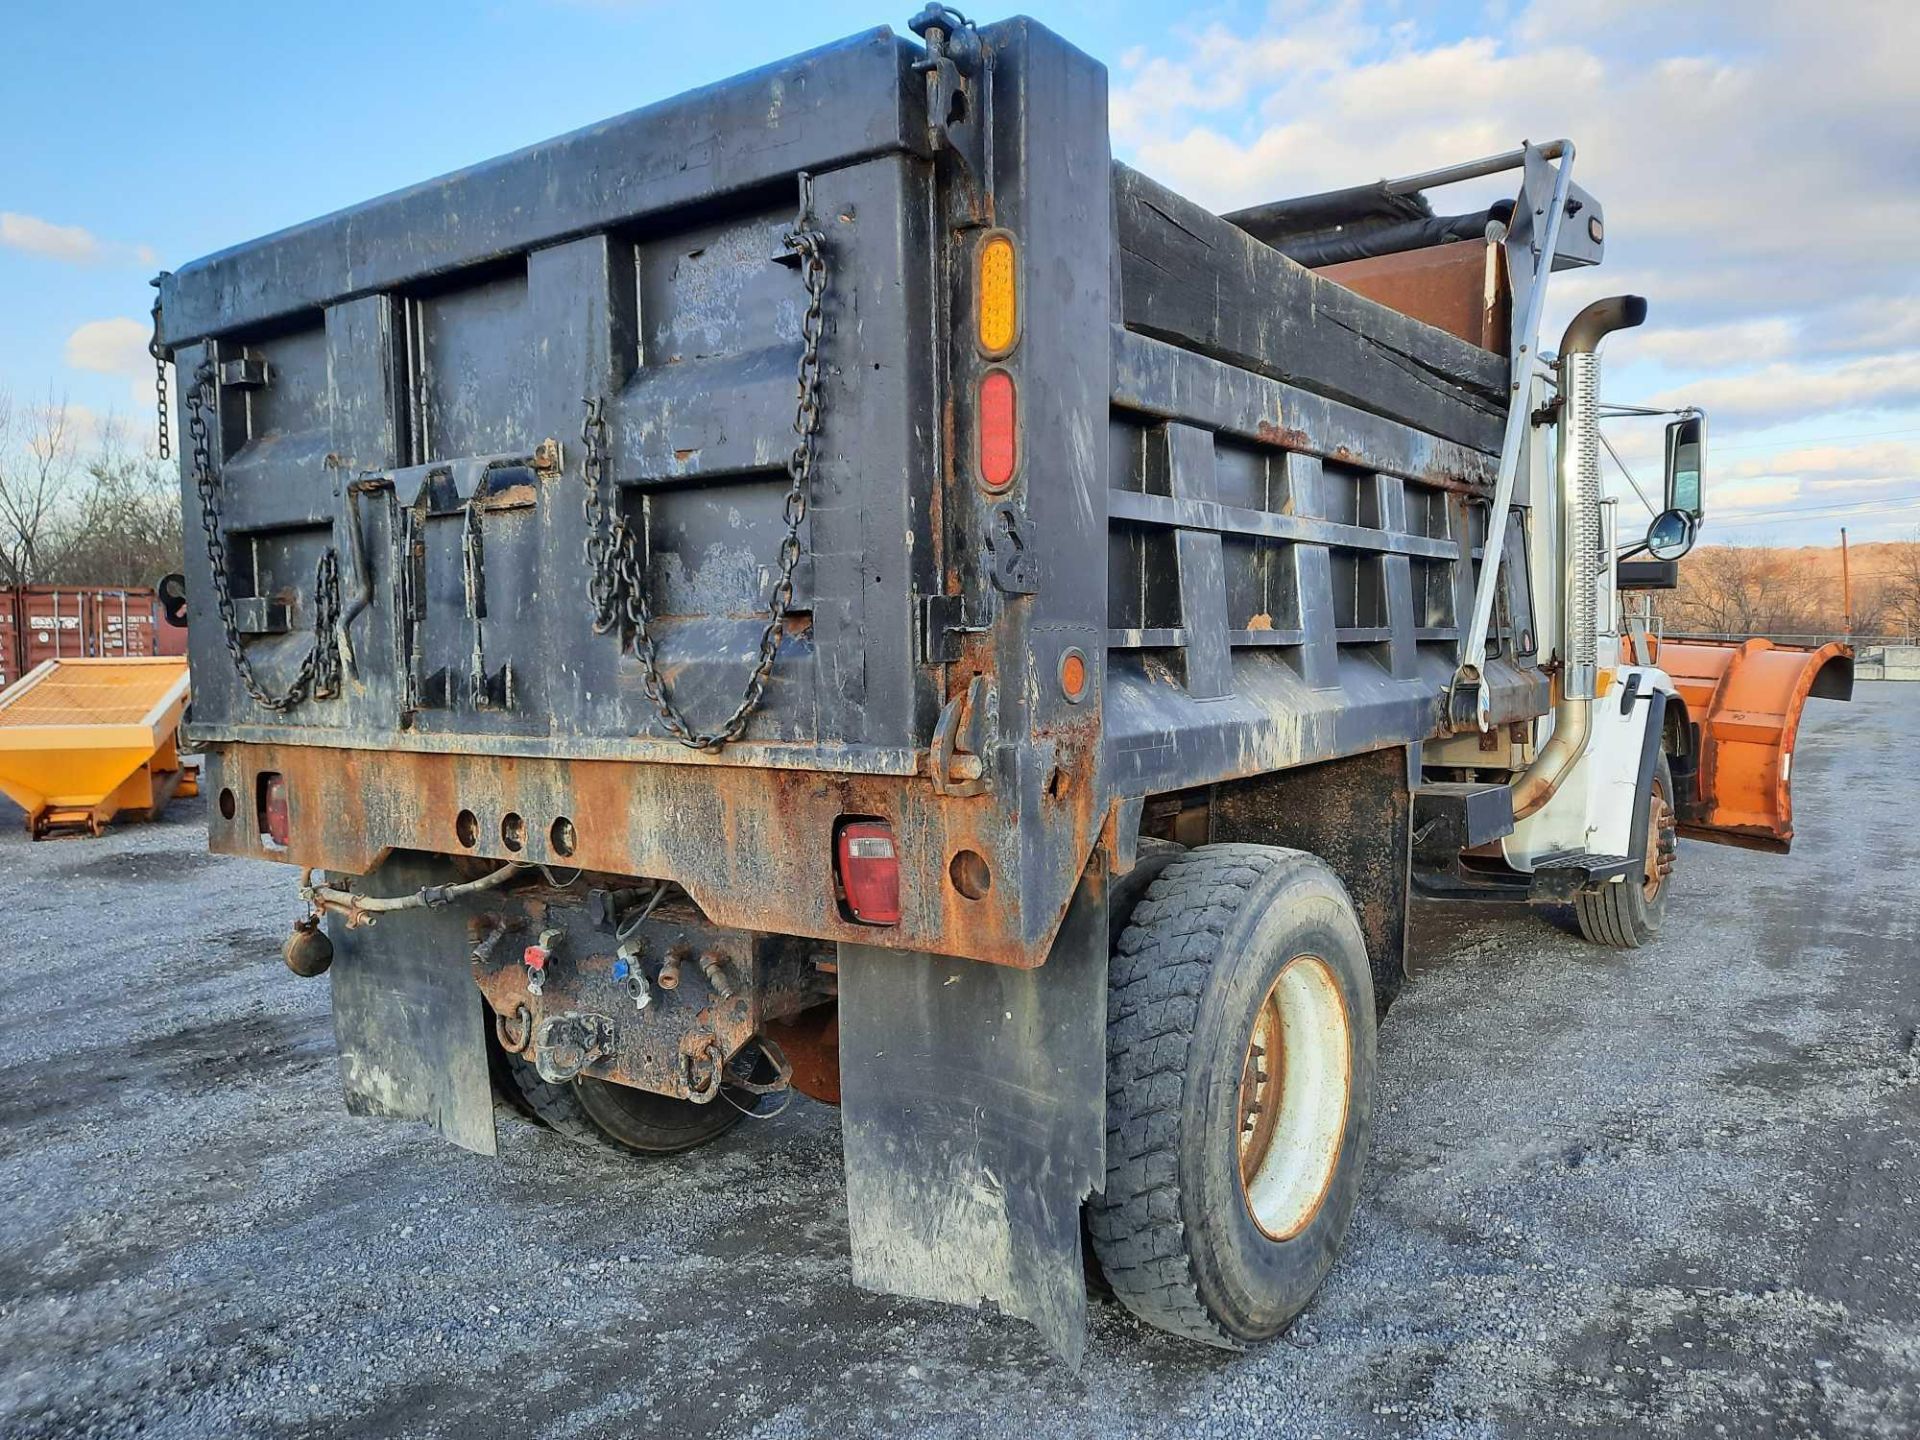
(752, 845)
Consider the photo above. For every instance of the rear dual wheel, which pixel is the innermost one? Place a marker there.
(604, 1116)
(1240, 1060)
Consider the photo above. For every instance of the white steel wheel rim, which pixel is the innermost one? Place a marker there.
(1294, 1086)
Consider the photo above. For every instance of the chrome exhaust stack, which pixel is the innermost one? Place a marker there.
(1582, 544)
(1583, 540)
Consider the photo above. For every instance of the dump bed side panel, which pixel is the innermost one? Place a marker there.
(1298, 509)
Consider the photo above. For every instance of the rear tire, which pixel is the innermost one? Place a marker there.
(604, 1116)
(1627, 913)
(1232, 1174)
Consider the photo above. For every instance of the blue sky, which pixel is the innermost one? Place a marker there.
(1760, 164)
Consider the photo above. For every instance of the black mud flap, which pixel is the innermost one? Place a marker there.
(407, 1016)
(974, 1115)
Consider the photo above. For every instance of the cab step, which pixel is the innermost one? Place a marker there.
(1562, 876)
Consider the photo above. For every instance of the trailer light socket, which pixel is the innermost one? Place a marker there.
(270, 805)
(867, 866)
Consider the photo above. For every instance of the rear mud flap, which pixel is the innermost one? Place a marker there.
(407, 1016)
(974, 1119)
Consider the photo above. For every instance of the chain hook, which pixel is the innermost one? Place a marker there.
(617, 585)
(319, 672)
(161, 355)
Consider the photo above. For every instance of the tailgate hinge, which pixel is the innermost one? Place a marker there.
(959, 766)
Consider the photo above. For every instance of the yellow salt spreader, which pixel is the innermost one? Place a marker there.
(84, 741)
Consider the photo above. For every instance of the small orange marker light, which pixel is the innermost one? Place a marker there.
(1073, 676)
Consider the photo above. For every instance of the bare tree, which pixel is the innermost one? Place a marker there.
(1745, 590)
(37, 474)
(110, 519)
(125, 519)
(1900, 585)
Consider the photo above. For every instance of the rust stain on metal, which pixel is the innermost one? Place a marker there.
(1286, 439)
(753, 846)
(811, 1042)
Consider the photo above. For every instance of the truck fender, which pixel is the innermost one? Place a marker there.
(1650, 750)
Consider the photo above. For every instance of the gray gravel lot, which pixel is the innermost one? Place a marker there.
(1667, 1193)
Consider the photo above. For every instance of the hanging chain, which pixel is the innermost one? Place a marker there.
(160, 358)
(617, 582)
(319, 673)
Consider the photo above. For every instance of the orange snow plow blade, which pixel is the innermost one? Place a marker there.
(1744, 699)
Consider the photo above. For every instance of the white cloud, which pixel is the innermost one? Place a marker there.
(1790, 390)
(1731, 501)
(111, 347)
(1730, 346)
(72, 244)
(55, 242)
(1744, 149)
(1823, 467)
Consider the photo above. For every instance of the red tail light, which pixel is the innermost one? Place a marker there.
(869, 870)
(999, 430)
(273, 810)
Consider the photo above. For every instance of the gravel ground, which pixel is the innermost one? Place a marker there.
(1670, 1192)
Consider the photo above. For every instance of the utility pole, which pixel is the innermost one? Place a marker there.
(1846, 585)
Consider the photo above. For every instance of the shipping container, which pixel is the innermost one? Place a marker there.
(53, 624)
(10, 670)
(121, 623)
(73, 622)
(167, 639)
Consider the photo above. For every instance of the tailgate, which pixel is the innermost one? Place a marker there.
(419, 414)
(395, 397)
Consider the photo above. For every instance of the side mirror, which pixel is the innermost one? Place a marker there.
(1670, 535)
(1686, 461)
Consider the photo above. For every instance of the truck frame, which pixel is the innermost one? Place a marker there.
(829, 583)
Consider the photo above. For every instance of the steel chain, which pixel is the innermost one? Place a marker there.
(617, 584)
(160, 358)
(319, 672)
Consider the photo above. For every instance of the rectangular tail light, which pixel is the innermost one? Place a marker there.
(868, 868)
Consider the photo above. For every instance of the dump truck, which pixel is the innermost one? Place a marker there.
(830, 584)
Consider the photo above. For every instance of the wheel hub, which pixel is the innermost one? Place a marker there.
(1661, 843)
(1292, 1111)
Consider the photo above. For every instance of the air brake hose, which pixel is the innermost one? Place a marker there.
(359, 909)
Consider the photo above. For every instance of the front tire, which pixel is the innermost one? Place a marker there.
(1240, 1063)
(1627, 913)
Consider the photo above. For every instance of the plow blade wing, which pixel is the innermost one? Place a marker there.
(1745, 699)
